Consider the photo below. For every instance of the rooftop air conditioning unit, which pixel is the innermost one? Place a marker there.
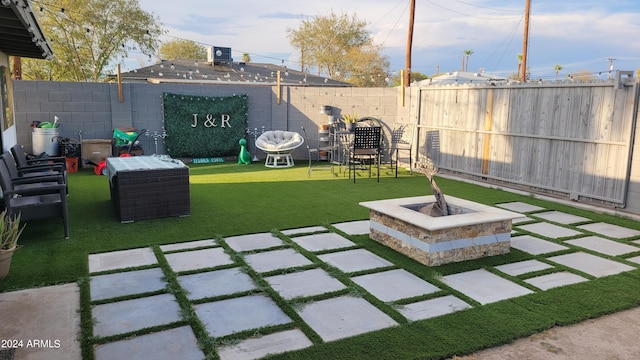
(219, 55)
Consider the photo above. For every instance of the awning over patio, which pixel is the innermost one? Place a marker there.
(20, 32)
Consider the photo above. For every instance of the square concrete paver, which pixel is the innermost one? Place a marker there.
(353, 227)
(304, 283)
(259, 347)
(342, 317)
(198, 259)
(215, 283)
(304, 230)
(549, 230)
(610, 230)
(178, 343)
(635, 259)
(188, 245)
(226, 317)
(354, 260)
(320, 242)
(520, 220)
(253, 242)
(546, 282)
(394, 285)
(275, 260)
(126, 283)
(484, 287)
(48, 313)
(121, 259)
(604, 246)
(591, 264)
(131, 315)
(561, 218)
(520, 207)
(535, 246)
(523, 267)
(431, 308)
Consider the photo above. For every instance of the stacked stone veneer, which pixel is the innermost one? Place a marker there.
(478, 232)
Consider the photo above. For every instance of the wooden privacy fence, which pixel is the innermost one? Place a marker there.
(570, 139)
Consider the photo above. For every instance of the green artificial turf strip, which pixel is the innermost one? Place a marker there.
(231, 199)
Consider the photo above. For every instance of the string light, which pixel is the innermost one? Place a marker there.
(63, 12)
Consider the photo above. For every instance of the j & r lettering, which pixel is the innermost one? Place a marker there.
(211, 121)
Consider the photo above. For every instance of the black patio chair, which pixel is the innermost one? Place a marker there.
(54, 162)
(29, 182)
(48, 202)
(365, 148)
(51, 164)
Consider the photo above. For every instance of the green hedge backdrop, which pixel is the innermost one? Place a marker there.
(204, 126)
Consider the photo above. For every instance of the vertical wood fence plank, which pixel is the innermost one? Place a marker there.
(563, 138)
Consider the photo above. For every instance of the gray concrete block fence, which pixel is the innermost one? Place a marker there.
(93, 110)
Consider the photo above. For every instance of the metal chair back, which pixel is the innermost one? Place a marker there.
(366, 138)
(367, 142)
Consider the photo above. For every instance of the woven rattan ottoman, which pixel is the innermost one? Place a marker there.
(148, 187)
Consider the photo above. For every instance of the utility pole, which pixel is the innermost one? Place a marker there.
(525, 42)
(407, 65)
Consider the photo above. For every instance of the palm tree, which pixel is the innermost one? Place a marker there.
(246, 58)
(467, 53)
(557, 68)
(519, 64)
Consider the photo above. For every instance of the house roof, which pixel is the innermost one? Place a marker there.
(20, 32)
(462, 77)
(201, 71)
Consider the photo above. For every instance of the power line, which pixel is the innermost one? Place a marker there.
(489, 8)
(396, 24)
(510, 37)
(469, 15)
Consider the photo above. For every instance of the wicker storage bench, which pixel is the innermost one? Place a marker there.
(148, 187)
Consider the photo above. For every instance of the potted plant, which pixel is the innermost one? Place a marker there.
(10, 231)
(350, 121)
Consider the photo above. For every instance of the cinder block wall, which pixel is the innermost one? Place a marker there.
(92, 110)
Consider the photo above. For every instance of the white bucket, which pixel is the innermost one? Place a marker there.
(45, 140)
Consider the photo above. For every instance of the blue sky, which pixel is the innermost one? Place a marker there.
(576, 34)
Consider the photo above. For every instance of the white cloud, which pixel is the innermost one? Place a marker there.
(562, 32)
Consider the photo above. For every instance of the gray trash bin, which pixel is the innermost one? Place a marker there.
(45, 140)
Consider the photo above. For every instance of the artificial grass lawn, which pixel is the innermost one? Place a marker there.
(230, 199)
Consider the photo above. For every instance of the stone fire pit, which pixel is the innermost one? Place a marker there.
(470, 231)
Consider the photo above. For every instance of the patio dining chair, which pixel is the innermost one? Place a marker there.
(55, 162)
(402, 140)
(365, 148)
(32, 182)
(47, 170)
(52, 163)
(314, 151)
(48, 202)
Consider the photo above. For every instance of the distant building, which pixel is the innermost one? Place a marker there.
(462, 77)
(225, 72)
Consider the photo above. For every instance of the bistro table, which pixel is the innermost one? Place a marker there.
(148, 187)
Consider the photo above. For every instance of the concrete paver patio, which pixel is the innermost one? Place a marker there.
(129, 290)
(560, 217)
